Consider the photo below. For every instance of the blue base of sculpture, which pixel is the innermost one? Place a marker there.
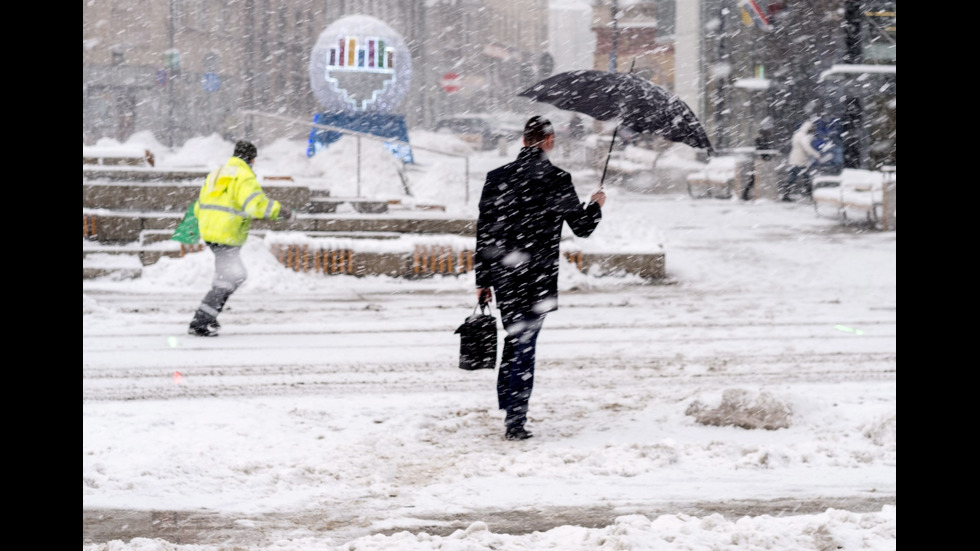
(377, 124)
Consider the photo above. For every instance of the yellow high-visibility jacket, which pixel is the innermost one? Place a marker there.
(229, 199)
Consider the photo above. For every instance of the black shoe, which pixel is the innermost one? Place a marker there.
(517, 433)
(787, 199)
(209, 331)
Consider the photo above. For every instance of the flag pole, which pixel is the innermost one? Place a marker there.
(613, 141)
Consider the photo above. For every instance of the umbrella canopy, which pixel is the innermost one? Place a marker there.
(638, 103)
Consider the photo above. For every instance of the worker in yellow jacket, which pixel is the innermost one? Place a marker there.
(229, 199)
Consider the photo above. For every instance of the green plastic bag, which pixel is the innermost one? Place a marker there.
(187, 231)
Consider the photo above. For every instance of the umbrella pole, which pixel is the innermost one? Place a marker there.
(608, 155)
(613, 141)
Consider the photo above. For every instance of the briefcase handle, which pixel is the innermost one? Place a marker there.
(485, 304)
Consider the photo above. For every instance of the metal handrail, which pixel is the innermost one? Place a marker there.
(359, 135)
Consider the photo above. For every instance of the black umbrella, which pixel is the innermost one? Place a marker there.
(639, 104)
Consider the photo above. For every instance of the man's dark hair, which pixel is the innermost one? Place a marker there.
(536, 130)
(245, 151)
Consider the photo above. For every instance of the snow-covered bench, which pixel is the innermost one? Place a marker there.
(716, 179)
(116, 155)
(857, 194)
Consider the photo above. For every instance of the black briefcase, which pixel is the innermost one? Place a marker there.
(478, 340)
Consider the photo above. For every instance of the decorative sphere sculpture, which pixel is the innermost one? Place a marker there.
(360, 65)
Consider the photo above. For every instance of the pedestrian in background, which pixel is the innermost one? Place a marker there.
(576, 129)
(827, 140)
(523, 207)
(230, 197)
(802, 155)
(765, 139)
(764, 143)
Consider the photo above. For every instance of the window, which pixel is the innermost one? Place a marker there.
(879, 32)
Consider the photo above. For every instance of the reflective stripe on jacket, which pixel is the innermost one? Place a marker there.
(229, 199)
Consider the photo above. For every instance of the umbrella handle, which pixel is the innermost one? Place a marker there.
(611, 142)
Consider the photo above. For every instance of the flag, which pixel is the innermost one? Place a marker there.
(752, 14)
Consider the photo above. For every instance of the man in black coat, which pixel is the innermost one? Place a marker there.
(522, 209)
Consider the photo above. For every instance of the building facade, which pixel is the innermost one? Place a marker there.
(768, 66)
(185, 68)
(763, 61)
(631, 35)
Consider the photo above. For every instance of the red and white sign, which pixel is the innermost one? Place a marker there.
(450, 82)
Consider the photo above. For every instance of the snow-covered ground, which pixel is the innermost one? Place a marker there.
(748, 402)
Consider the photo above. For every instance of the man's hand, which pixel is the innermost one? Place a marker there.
(285, 214)
(483, 295)
(598, 197)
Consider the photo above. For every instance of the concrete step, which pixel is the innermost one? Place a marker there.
(398, 205)
(120, 226)
(406, 223)
(129, 169)
(325, 205)
(128, 260)
(143, 174)
(115, 272)
(149, 237)
(166, 196)
(174, 196)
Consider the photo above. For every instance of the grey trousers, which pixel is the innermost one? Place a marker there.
(229, 274)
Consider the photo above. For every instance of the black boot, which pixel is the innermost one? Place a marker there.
(517, 433)
(203, 325)
(514, 421)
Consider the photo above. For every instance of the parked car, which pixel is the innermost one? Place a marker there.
(480, 131)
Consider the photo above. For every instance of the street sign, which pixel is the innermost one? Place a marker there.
(450, 82)
(210, 81)
(171, 60)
